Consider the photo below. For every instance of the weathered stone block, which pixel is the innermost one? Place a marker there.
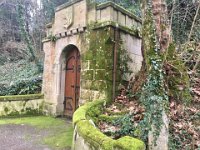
(86, 84)
(109, 75)
(121, 18)
(88, 75)
(85, 65)
(100, 74)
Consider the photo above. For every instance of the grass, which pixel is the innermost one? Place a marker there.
(60, 136)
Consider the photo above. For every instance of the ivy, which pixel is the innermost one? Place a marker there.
(153, 93)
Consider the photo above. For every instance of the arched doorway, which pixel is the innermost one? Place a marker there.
(72, 81)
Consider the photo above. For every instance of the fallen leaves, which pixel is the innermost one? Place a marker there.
(183, 126)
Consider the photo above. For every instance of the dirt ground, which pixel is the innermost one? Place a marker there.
(24, 137)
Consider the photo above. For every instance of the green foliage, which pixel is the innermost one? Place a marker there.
(23, 87)
(20, 78)
(52, 38)
(126, 125)
(154, 98)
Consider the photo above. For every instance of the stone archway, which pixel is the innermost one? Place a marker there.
(72, 81)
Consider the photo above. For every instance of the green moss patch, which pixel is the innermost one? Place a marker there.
(83, 111)
(92, 135)
(129, 143)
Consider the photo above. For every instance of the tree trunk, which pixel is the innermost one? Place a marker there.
(159, 9)
(156, 39)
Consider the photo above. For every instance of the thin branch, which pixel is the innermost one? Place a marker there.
(193, 23)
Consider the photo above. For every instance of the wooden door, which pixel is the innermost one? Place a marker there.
(72, 82)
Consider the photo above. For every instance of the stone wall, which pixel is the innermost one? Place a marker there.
(21, 105)
(88, 137)
(97, 65)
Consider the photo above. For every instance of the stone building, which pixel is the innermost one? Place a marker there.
(87, 49)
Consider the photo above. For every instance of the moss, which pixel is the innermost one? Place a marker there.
(93, 136)
(88, 75)
(88, 55)
(133, 31)
(21, 97)
(19, 109)
(81, 113)
(128, 143)
(30, 111)
(98, 67)
(99, 85)
(6, 109)
(94, 112)
(177, 77)
(99, 74)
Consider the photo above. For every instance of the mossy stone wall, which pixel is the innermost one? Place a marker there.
(97, 63)
(18, 105)
(88, 137)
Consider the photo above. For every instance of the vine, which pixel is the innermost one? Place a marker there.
(153, 93)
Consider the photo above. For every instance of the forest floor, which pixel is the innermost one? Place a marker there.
(35, 133)
(184, 119)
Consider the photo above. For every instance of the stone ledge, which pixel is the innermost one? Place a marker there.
(21, 97)
(125, 29)
(93, 138)
(119, 8)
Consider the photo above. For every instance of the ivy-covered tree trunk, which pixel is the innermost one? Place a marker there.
(156, 39)
(166, 76)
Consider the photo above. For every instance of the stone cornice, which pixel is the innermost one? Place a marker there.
(119, 8)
